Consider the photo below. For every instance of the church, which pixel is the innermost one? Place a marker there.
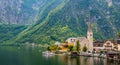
(84, 41)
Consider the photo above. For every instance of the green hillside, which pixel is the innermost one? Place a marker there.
(8, 32)
(60, 19)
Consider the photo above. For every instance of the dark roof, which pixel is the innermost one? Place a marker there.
(116, 41)
(112, 41)
(99, 42)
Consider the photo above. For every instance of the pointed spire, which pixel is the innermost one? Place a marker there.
(89, 24)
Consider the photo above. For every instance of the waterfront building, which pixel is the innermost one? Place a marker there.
(108, 45)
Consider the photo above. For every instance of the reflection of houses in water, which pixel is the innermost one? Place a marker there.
(113, 55)
(85, 61)
(92, 61)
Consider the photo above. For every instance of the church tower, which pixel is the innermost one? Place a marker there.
(90, 36)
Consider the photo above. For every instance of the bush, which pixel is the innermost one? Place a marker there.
(84, 49)
(70, 48)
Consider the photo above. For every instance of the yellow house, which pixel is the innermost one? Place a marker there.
(65, 46)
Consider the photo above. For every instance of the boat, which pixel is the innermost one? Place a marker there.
(48, 53)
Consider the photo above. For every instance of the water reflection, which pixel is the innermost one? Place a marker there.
(86, 61)
(33, 56)
(112, 62)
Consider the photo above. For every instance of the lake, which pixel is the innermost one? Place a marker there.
(13, 55)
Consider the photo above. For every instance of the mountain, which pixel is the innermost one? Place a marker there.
(69, 19)
(9, 31)
(59, 19)
(24, 11)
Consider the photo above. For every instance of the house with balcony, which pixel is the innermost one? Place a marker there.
(109, 46)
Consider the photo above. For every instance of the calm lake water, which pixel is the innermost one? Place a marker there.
(11, 55)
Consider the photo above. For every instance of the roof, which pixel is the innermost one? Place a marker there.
(115, 41)
(99, 42)
(112, 41)
(57, 43)
(81, 38)
(71, 38)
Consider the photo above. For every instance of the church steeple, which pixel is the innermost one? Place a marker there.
(89, 26)
(90, 35)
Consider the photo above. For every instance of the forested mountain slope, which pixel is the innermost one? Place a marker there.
(69, 19)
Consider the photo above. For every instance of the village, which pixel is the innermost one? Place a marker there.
(85, 46)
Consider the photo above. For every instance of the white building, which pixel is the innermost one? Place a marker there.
(108, 46)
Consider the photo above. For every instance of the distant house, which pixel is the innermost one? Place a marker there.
(109, 45)
(112, 45)
(64, 46)
(98, 45)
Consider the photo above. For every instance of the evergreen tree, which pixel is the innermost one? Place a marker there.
(78, 46)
